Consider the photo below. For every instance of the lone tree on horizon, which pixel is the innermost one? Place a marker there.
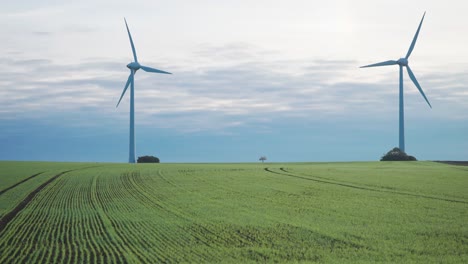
(262, 159)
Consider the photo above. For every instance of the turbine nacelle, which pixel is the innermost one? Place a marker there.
(134, 66)
(402, 62)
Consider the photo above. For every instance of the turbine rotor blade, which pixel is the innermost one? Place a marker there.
(413, 78)
(131, 42)
(125, 89)
(149, 69)
(415, 38)
(384, 63)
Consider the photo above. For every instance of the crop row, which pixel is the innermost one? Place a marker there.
(59, 225)
(226, 213)
(87, 217)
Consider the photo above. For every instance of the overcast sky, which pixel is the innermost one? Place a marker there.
(250, 78)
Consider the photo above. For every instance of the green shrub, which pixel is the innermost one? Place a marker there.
(148, 159)
(397, 155)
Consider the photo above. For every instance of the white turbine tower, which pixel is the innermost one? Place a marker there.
(403, 62)
(134, 67)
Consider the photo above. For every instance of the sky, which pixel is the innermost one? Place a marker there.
(279, 79)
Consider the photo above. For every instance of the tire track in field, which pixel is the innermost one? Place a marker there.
(9, 216)
(117, 242)
(159, 238)
(139, 184)
(154, 200)
(287, 173)
(137, 235)
(246, 238)
(20, 182)
(235, 237)
(223, 187)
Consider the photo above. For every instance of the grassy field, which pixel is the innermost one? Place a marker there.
(414, 212)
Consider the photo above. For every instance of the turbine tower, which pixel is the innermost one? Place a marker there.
(403, 62)
(134, 67)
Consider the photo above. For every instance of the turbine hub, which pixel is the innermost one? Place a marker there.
(134, 66)
(402, 62)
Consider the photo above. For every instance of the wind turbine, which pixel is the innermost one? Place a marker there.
(134, 67)
(403, 62)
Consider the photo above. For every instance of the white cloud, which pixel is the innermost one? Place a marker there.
(233, 64)
(237, 88)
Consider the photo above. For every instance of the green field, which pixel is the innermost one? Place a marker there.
(392, 212)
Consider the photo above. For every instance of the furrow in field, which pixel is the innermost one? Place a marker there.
(135, 232)
(139, 229)
(27, 234)
(115, 243)
(165, 237)
(154, 198)
(46, 254)
(9, 216)
(28, 231)
(309, 178)
(225, 188)
(20, 182)
(97, 230)
(243, 237)
(194, 229)
(240, 192)
(101, 196)
(81, 245)
(151, 234)
(206, 228)
(48, 232)
(388, 191)
(82, 228)
(246, 238)
(63, 212)
(115, 218)
(87, 250)
(56, 199)
(59, 225)
(97, 247)
(198, 232)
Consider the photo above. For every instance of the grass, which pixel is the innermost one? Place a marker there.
(414, 212)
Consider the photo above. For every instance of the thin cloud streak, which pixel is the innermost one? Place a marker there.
(225, 95)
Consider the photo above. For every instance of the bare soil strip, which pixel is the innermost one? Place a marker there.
(9, 216)
(459, 163)
(287, 173)
(20, 182)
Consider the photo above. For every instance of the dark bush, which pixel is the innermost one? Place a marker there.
(148, 159)
(397, 155)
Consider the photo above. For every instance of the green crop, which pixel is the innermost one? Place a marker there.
(397, 212)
